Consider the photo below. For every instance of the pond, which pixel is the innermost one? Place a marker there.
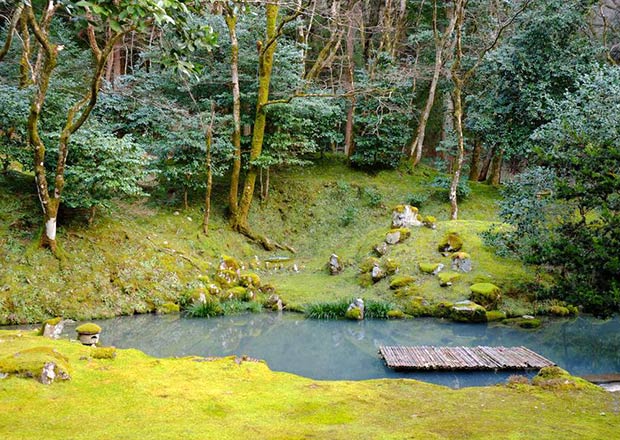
(347, 350)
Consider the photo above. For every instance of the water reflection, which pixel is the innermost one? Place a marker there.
(348, 350)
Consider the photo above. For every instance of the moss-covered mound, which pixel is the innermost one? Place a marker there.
(31, 361)
(401, 281)
(230, 398)
(451, 242)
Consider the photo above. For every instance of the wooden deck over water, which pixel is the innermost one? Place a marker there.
(462, 358)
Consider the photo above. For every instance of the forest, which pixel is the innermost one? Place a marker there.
(220, 158)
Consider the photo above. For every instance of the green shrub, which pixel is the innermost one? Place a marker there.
(373, 197)
(349, 216)
(462, 190)
(417, 200)
(207, 309)
(377, 309)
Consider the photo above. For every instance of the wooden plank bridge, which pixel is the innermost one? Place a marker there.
(462, 358)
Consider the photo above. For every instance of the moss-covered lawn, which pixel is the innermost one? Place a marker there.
(135, 396)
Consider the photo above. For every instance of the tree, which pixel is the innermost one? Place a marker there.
(39, 63)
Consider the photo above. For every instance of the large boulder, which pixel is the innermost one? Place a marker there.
(486, 294)
(468, 311)
(52, 328)
(405, 216)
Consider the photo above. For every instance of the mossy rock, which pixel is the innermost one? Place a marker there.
(447, 278)
(401, 281)
(88, 329)
(368, 263)
(168, 308)
(52, 322)
(30, 363)
(407, 291)
(429, 221)
(495, 315)
(442, 309)
(405, 233)
(428, 267)
(353, 314)
(365, 280)
(103, 352)
(526, 323)
(240, 293)
(468, 311)
(486, 294)
(452, 242)
(226, 277)
(559, 311)
(395, 314)
(461, 256)
(391, 266)
(249, 279)
(418, 306)
(229, 263)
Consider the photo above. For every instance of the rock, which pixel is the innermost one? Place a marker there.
(377, 273)
(405, 216)
(392, 237)
(52, 328)
(47, 374)
(461, 262)
(397, 235)
(401, 281)
(381, 249)
(495, 315)
(468, 311)
(355, 310)
(168, 308)
(391, 266)
(430, 222)
(486, 294)
(229, 263)
(452, 242)
(275, 303)
(432, 268)
(448, 278)
(334, 265)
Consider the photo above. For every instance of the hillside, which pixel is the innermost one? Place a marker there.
(140, 254)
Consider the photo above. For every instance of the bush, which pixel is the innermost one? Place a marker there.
(233, 307)
(417, 200)
(372, 196)
(462, 190)
(349, 216)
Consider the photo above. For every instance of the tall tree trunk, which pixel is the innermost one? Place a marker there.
(349, 145)
(494, 177)
(474, 167)
(231, 22)
(417, 145)
(265, 63)
(458, 124)
(208, 166)
(486, 164)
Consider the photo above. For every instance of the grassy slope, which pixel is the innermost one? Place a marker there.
(141, 254)
(135, 396)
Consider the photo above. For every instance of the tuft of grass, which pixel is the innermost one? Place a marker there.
(234, 307)
(377, 309)
(328, 310)
(207, 309)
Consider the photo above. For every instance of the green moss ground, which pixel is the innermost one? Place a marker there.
(141, 255)
(136, 396)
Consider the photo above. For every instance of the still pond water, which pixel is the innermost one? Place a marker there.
(348, 350)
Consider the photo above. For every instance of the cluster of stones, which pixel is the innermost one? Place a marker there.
(232, 281)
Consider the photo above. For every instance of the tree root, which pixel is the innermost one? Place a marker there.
(266, 243)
